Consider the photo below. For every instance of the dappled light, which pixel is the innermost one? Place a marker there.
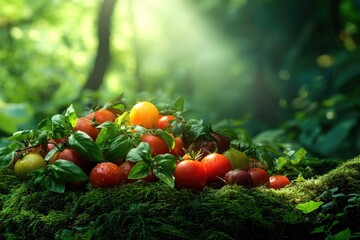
(179, 119)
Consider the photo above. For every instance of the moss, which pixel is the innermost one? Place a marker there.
(346, 177)
(153, 210)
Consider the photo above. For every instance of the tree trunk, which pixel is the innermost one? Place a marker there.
(102, 59)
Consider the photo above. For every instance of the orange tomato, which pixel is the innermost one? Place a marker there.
(144, 114)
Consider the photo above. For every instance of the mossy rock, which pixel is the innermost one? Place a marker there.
(155, 211)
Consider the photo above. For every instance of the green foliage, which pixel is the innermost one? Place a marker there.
(163, 165)
(85, 146)
(309, 206)
(55, 176)
(338, 207)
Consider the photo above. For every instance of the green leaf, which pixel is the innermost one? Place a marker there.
(45, 125)
(116, 102)
(60, 123)
(53, 185)
(179, 104)
(109, 130)
(68, 171)
(263, 154)
(139, 170)
(320, 229)
(299, 155)
(281, 162)
(85, 146)
(7, 155)
(24, 135)
(141, 152)
(133, 155)
(123, 118)
(343, 235)
(309, 206)
(194, 128)
(334, 223)
(165, 176)
(169, 140)
(177, 127)
(45, 177)
(118, 148)
(71, 115)
(51, 153)
(165, 161)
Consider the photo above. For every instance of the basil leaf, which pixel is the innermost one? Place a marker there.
(118, 148)
(179, 104)
(169, 140)
(139, 170)
(141, 152)
(85, 146)
(22, 135)
(45, 177)
(109, 130)
(68, 171)
(45, 125)
(165, 176)
(7, 155)
(60, 123)
(133, 155)
(166, 161)
(71, 115)
(53, 185)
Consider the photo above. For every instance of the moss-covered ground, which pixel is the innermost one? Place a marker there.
(155, 211)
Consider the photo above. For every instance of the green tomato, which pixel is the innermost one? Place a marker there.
(27, 164)
(238, 159)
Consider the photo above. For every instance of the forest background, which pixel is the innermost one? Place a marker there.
(286, 72)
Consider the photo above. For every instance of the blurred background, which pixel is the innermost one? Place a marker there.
(285, 71)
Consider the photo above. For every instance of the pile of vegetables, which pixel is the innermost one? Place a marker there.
(116, 144)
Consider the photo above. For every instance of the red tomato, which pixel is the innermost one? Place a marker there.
(125, 169)
(259, 176)
(190, 174)
(157, 144)
(101, 116)
(87, 126)
(178, 149)
(216, 166)
(238, 177)
(105, 174)
(278, 181)
(71, 155)
(164, 121)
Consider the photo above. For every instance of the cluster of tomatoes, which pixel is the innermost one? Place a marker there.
(152, 149)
